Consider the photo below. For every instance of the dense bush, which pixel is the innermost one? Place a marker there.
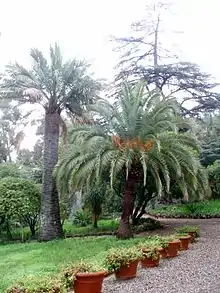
(214, 178)
(203, 209)
(10, 170)
(146, 224)
(19, 202)
(82, 218)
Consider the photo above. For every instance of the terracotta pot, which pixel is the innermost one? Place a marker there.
(185, 240)
(127, 272)
(173, 248)
(162, 252)
(149, 262)
(193, 236)
(89, 282)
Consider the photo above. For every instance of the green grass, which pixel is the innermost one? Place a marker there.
(107, 226)
(17, 261)
(204, 209)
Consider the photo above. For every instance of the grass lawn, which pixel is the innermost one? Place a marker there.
(204, 209)
(17, 261)
(107, 226)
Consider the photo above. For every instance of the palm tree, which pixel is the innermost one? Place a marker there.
(137, 136)
(58, 86)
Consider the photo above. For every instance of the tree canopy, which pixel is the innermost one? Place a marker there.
(139, 135)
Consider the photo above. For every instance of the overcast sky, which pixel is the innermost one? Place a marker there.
(83, 27)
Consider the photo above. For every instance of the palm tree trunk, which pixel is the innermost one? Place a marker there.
(124, 230)
(51, 227)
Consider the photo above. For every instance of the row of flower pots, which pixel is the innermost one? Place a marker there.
(123, 262)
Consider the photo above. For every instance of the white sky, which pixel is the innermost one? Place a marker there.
(82, 28)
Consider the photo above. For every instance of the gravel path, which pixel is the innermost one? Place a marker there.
(194, 271)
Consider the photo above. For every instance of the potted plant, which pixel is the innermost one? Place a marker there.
(150, 253)
(84, 277)
(171, 245)
(123, 262)
(151, 257)
(185, 239)
(193, 231)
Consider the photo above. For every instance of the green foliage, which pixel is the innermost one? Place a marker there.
(139, 130)
(121, 257)
(105, 227)
(146, 224)
(20, 201)
(214, 178)
(209, 135)
(11, 135)
(113, 201)
(94, 200)
(10, 170)
(18, 197)
(151, 252)
(82, 218)
(187, 229)
(203, 209)
(35, 284)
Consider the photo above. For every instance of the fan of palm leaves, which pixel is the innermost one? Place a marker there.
(141, 131)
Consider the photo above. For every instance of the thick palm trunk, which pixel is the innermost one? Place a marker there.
(51, 227)
(124, 230)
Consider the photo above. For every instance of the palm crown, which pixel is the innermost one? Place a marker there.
(137, 136)
(139, 130)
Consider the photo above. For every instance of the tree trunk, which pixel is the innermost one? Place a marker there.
(140, 210)
(50, 222)
(124, 230)
(95, 221)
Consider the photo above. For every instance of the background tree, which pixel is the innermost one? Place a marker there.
(139, 133)
(143, 55)
(12, 123)
(94, 200)
(19, 201)
(208, 132)
(58, 86)
(214, 178)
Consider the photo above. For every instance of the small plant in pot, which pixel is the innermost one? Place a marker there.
(84, 277)
(185, 239)
(150, 254)
(171, 244)
(193, 231)
(123, 262)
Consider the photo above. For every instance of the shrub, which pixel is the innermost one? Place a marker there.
(214, 178)
(187, 229)
(203, 209)
(82, 218)
(20, 201)
(146, 224)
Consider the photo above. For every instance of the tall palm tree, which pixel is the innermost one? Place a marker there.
(58, 86)
(136, 136)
